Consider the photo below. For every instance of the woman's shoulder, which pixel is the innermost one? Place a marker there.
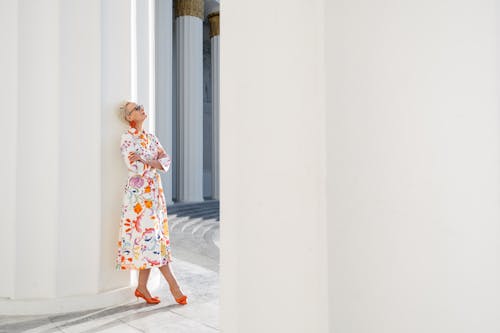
(153, 136)
(129, 132)
(126, 134)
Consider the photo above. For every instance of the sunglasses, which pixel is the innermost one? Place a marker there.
(136, 108)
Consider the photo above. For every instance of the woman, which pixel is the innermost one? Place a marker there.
(144, 238)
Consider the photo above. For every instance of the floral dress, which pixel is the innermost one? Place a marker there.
(143, 240)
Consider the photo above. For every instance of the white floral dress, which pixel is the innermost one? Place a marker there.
(143, 237)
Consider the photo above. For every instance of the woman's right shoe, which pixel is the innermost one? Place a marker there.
(151, 300)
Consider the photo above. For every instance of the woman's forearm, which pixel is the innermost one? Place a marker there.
(155, 164)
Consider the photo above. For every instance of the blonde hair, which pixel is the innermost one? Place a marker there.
(123, 109)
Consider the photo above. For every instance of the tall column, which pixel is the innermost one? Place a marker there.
(413, 160)
(35, 224)
(118, 19)
(8, 89)
(164, 127)
(189, 48)
(64, 210)
(272, 157)
(213, 18)
(145, 57)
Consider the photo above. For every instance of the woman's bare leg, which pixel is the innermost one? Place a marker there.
(167, 273)
(143, 282)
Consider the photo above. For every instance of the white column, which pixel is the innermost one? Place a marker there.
(38, 95)
(272, 158)
(214, 41)
(66, 191)
(9, 35)
(413, 160)
(189, 30)
(145, 41)
(118, 33)
(164, 125)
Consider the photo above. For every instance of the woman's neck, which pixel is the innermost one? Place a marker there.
(138, 127)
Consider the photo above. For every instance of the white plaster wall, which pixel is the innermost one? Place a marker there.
(116, 44)
(37, 194)
(272, 149)
(413, 166)
(67, 70)
(8, 94)
(163, 94)
(79, 126)
(145, 39)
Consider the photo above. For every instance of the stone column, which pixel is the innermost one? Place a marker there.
(213, 19)
(59, 236)
(8, 89)
(145, 57)
(412, 165)
(164, 126)
(189, 48)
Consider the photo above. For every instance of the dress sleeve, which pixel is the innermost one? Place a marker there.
(126, 147)
(164, 161)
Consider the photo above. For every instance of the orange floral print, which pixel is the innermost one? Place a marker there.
(137, 208)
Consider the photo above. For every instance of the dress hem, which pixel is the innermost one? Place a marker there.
(125, 267)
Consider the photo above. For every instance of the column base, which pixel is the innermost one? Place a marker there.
(40, 306)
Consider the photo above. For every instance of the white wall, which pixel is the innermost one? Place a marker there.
(37, 149)
(66, 73)
(164, 78)
(145, 41)
(117, 86)
(79, 127)
(8, 94)
(273, 265)
(413, 166)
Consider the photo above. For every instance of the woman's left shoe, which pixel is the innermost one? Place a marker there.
(181, 300)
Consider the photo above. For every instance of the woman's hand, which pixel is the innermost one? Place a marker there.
(160, 154)
(132, 157)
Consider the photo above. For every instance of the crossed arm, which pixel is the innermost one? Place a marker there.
(161, 161)
(153, 163)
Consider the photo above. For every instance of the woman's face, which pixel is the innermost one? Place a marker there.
(135, 112)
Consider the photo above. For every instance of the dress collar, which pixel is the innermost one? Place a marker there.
(134, 131)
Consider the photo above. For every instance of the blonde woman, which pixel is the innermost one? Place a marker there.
(144, 238)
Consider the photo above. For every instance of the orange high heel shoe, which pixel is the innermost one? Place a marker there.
(181, 300)
(152, 300)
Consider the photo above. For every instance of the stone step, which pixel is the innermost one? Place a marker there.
(212, 237)
(182, 207)
(195, 229)
(205, 215)
(198, 214)
(195, 224)
(193, 212)
(184, 222)
(202, 228)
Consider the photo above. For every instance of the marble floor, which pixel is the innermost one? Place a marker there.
(194, 237)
